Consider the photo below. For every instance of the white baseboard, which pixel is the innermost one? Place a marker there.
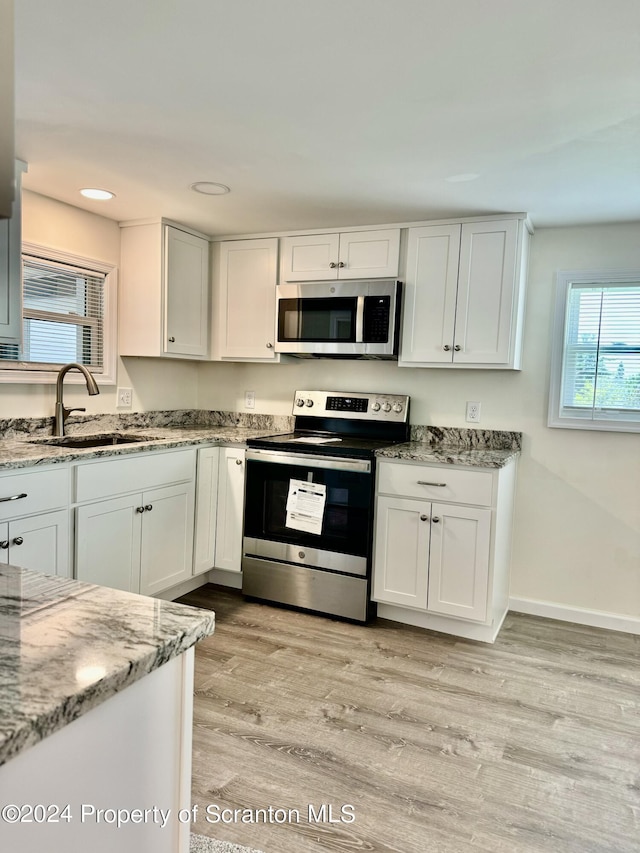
(593, 618)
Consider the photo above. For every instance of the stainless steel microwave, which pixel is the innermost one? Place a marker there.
(351, 319)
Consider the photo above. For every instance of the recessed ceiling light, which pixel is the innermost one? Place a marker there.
(209, 188)
(100, 195)
(460, 179)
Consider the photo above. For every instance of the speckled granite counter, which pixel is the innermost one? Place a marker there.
(469, 447)
(21, 439)
(66, 647)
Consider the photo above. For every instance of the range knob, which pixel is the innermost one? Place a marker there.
(375, 407)
(386, 407)
(299, 402)
(397, 407)
(308, 403)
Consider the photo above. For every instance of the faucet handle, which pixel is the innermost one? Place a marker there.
(67, 412)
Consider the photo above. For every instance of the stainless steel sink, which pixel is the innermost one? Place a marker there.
(86, 441)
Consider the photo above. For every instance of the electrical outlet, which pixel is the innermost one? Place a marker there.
(125, 398)
(249, 399)
(473, 412)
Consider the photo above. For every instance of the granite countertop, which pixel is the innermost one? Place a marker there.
(23, 440)
(66, 647)
(27, 450)
(474, 457)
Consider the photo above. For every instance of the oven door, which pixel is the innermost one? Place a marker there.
(342, 539)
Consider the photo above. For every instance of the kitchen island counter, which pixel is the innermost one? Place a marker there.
(67, 646)
(96, 709)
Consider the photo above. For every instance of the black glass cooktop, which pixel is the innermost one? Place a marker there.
(322, 443)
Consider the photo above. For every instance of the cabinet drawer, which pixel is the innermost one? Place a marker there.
(42, 490)
(109, 477)
(434, 483)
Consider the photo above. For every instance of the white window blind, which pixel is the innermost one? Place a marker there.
(596, 370)
(63, 317)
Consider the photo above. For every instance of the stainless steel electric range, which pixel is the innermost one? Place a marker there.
(308, 520)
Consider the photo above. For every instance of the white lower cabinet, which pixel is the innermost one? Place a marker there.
(141, 543)
(34, 520)
(142, 540)
(39, 543)
(229, 518)
(219, 509)
(438, 564)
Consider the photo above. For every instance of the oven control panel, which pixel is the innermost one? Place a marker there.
(393, 408)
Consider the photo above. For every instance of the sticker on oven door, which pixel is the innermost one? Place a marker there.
(305, 506)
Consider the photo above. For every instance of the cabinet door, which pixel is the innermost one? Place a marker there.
(167, 538)
(369, 254)
(41, 543)
(186, 300)
(108, 543)
(430, 292)
(10, 271)
(248, 275)
(486, 292)
(204, 549)
(4, 543)
(230, 509)
(401, 552)
(459, 561)
(309, 258)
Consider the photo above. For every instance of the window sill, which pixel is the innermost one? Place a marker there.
(49, 377)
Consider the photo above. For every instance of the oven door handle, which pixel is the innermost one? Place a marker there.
(308, 460)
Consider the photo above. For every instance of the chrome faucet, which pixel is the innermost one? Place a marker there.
(63, 413)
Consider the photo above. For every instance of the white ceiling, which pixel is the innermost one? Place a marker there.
(321, 113)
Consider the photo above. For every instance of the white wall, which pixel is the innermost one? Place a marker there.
(156, 384)
(577, 526)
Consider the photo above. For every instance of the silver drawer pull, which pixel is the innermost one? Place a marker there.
(425, 483)
(14, 498)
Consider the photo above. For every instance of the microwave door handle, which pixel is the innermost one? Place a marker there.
(360, 320)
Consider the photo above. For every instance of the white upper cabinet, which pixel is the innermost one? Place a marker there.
(244, 304)
(10, 270)
(352, 254)
(464, 295)
(164, 292)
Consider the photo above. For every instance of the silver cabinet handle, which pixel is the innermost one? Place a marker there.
(18, 540)
(238, 461)
(435, 519)
(148, 507)
(446, 347)
(333, 265)
(427, 483)
(139, 509)
(172, 340)
(269, 346)
(424, 518)
(14, 497)
(342, 264)
(457, 347)
(4, 544)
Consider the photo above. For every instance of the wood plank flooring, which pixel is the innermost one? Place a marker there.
(441, 745)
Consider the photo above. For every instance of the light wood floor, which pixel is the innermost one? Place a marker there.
(531, 745)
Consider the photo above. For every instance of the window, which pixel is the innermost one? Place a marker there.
(595, 378)
(67, 308)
